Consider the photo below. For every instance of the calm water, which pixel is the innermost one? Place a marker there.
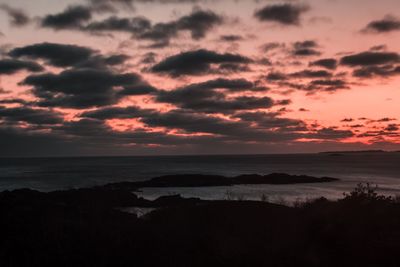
(64, 173)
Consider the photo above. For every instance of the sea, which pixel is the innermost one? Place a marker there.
(381, 169)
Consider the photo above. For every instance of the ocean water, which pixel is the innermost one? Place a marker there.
(47, 174)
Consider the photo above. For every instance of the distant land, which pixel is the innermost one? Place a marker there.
(357, 151)
(199, 180)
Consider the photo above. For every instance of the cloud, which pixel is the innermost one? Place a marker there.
(11, 66)
(111, 5)
(63, 55)
(328, 63)
(305, 48)
(135, 25)
(59, 55)
(311, 74)
(270, 120)
(29, 115)
(329, 85)
(374, 71)
(370, 58)
(198, 23)
(114, 5)
(115, 113)
(80, 88)
(231, 38)
(284, 14)
(392, 128)
(71, 18)
(197, 123)
(274, 130)
(314, 86)
(272, 46)
(329, 133)
(212, 96)
(276, 76)
(196, 62)
(17, 16)
(347, 120)
(385, 25)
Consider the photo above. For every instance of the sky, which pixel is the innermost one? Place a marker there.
(166, 77)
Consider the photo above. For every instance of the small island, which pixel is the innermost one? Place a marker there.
(199, 180)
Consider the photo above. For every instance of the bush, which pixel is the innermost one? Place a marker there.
(366, 192)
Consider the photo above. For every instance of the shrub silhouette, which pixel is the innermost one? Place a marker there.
(366, 192)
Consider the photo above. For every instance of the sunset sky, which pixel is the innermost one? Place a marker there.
(152, 77)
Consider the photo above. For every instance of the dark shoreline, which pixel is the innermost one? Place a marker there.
(89, 227)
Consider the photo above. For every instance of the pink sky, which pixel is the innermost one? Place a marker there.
(361, 113)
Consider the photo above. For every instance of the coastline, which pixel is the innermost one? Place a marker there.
(95, 226)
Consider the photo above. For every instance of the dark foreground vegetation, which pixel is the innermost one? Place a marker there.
(86, 227)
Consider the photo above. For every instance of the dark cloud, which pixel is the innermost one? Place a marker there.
(243, 131)
(378, 47)
(276, 76)
(135, 25)
(328, 63)
(22, 143)
(13, 100)
(311, 74)
(272, 46)
(270, 120)
(387, 24)
(196, 62)
(197, 123)
(374, 71)
(115, 59)
(17, 16)
(115, 113)
(11, 66)
(70, 18)
(315, 86)
(370, 58)
(229, 68)
(29, 115)
(235, 85)
(211, 96)
(305, 48)
(386, 119)
(62, 55)
(251, 127)
(285, 14)
(347, 120)
(329, 85)
(198, 23)
(331, 134)
(392, 128)
(111, 5)
(231, 38)
(80, 88)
